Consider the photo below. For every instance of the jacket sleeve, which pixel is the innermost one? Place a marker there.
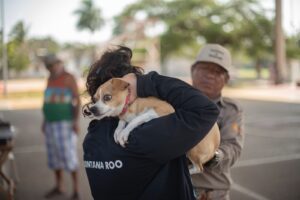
(171, 136)
(232, 140)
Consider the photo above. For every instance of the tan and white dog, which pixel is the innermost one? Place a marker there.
(112, 99)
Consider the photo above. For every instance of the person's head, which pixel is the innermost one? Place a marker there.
(210, 72)
(114, 63)
(53, 64)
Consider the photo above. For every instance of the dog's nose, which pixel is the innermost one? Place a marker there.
(95, 110)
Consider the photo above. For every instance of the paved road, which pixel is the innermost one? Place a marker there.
(270, 163)
(268, 169)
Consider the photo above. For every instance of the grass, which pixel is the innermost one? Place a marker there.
(250, 73)
(27, 94)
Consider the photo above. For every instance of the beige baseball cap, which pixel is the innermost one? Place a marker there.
(217, 54)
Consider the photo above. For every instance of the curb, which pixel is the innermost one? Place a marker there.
(275, 94)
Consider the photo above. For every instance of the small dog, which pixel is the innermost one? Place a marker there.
(112, 99)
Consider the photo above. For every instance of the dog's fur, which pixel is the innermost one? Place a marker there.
(111, 99)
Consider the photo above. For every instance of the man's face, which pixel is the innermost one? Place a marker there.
(56, 69)
(209, 78)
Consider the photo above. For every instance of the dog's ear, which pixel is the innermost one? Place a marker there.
(119, 83)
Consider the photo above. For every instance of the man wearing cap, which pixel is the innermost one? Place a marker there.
(210, 73)
(61, 125)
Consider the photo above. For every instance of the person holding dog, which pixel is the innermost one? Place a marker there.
(61, 110)
(210, 73)
(153, 164)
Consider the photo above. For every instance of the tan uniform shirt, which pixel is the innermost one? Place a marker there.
(232, 140)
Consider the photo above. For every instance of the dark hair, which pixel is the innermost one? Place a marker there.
(113, 63)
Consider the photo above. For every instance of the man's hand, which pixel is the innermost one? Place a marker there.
(214, 161)
(131, 79)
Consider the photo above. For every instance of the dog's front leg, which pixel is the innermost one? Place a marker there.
(122, 137)
(120, 127)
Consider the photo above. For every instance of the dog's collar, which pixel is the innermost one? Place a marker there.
(125, 108)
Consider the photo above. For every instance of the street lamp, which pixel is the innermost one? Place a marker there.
(4, 52)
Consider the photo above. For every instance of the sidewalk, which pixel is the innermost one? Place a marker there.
(281, 93)
(274, 150)
(263, 92)
(26, 101)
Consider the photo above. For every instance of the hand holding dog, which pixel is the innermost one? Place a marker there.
(131, 79)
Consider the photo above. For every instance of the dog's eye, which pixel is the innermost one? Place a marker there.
(107, 97)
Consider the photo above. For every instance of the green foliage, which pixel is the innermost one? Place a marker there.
(239, 24)
(18, 59)
(250, 73)
(41, 46)
(89, 16)
(254, 31)
(19, 32)
(17, 52)
(1, 47)
(293, 46)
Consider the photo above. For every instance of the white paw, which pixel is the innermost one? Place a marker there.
(116, 134)
(122, 137)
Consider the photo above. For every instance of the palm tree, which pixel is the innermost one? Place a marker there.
(17, 48)
(89, 16)
(19, 32)
(89, 19)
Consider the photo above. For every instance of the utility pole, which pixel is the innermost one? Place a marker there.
(4, 51)
(280, 54)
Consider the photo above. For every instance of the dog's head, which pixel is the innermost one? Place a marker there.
(109, 99)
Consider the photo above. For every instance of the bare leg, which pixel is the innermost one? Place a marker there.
(58, 189)
(59, 180)
(75, 195)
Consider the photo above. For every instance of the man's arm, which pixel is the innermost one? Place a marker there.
(75, 102)
(231, 142)
(173, 135)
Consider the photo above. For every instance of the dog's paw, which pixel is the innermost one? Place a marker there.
(116, 135)
(120, 127)
(122, 137)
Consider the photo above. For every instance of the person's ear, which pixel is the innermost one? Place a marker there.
(227, 77)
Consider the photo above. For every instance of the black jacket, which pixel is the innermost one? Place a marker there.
(153, 164)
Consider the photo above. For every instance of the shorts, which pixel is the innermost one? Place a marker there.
(61, 143)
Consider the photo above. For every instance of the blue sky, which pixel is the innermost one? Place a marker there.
(56, 19)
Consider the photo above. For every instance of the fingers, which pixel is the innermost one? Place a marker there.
(131, 79)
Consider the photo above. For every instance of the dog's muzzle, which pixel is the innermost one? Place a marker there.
(95, 111)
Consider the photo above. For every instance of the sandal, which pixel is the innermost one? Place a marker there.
(75, 196)
(54, 192)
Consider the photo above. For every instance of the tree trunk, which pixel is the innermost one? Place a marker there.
(258, 69)
(280, 56)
